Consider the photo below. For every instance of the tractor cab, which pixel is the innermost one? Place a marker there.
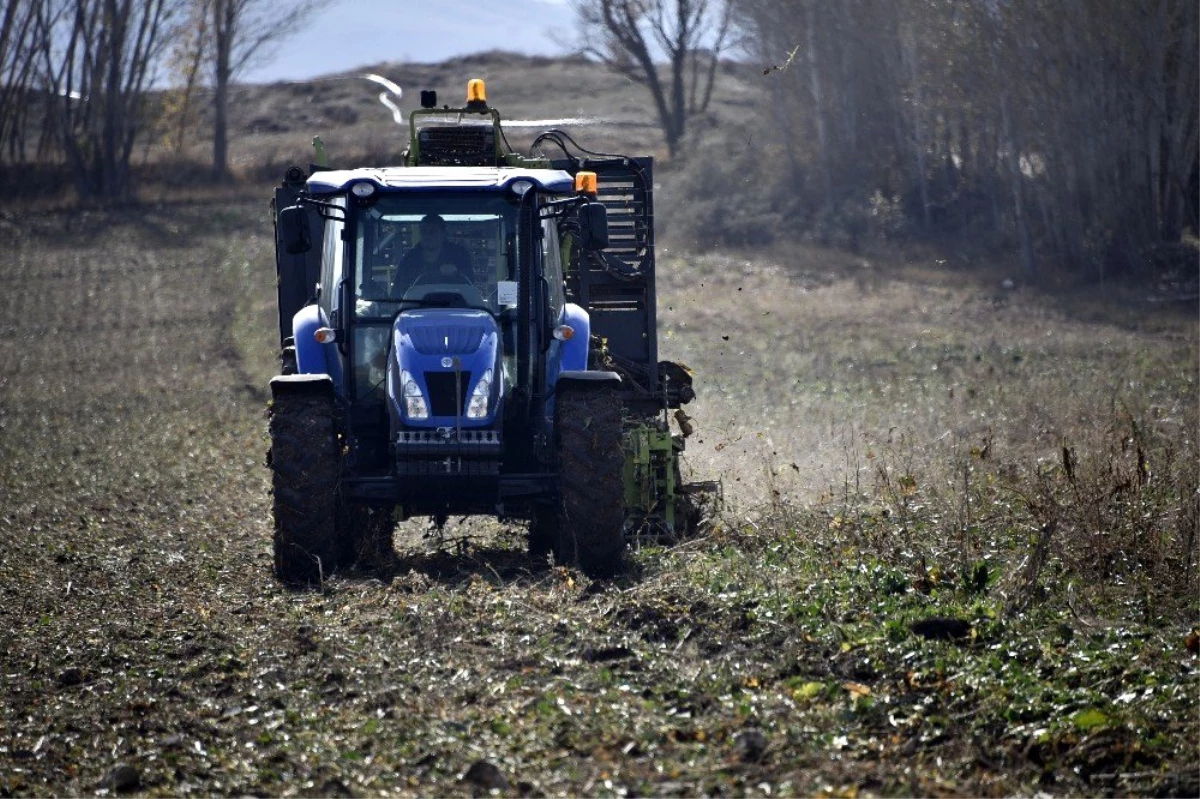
(442, 309)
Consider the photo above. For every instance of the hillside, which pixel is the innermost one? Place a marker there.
(957, 556)
(276, 122)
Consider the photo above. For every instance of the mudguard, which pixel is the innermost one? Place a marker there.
(593, 376)
(570, 355)
(313, 357)
(301, 384)
(575, 349)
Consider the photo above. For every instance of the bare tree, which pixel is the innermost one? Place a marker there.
(17, 61)
(242, 30)
(96, 59)
(690, 34)
(184, 68)
(1183, 135)
(1065, 132)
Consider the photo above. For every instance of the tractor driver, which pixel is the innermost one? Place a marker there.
(433, 260)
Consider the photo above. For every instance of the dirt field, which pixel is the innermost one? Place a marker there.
(958, 554)
(146, 647)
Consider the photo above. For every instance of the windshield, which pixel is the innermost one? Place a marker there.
(436, 249)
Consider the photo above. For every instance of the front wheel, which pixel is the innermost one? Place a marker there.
(591, 506)
(304, 461)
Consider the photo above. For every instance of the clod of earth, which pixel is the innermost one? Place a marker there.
(750, 745)
(485, 775)
(941, 628)
(123, 778)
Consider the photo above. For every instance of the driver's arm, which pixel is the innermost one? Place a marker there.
(403, 278)
(461, 259)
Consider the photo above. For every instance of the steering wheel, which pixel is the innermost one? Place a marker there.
(469, 294)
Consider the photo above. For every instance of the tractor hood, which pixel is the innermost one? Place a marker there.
(444, 363)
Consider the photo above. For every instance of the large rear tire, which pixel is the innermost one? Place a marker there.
(305, 463)
(591, 508)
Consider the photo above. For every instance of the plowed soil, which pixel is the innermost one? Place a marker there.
(145, 647)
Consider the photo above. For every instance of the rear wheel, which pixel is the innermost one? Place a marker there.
(591, 508)
(305, 465)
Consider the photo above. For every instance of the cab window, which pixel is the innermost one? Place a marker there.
(552, 266)
(331, 261)
(472, 254)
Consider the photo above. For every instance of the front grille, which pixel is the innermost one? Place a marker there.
(438, 440)
(448, 452)
(444, 399)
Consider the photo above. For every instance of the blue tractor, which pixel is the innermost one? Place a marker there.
(472, 332)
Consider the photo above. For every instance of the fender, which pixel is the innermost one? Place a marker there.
(312, 357)
(594, 378)
(575, 350)
(301, 384)
(570, 355)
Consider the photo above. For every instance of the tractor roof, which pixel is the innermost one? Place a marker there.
(439, 178)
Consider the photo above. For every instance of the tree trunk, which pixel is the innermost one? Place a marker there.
(220, 164)
(1183, 127)
(912, 67)
(224, 27)
(815, 86)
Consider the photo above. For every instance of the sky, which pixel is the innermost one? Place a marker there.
(345, 34)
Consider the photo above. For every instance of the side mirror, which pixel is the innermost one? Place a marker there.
(593, 223)
(293, 230)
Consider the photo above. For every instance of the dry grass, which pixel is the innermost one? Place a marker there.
(822, 385)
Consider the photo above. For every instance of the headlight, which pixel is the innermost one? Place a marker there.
(477, 408)
(414, 401)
